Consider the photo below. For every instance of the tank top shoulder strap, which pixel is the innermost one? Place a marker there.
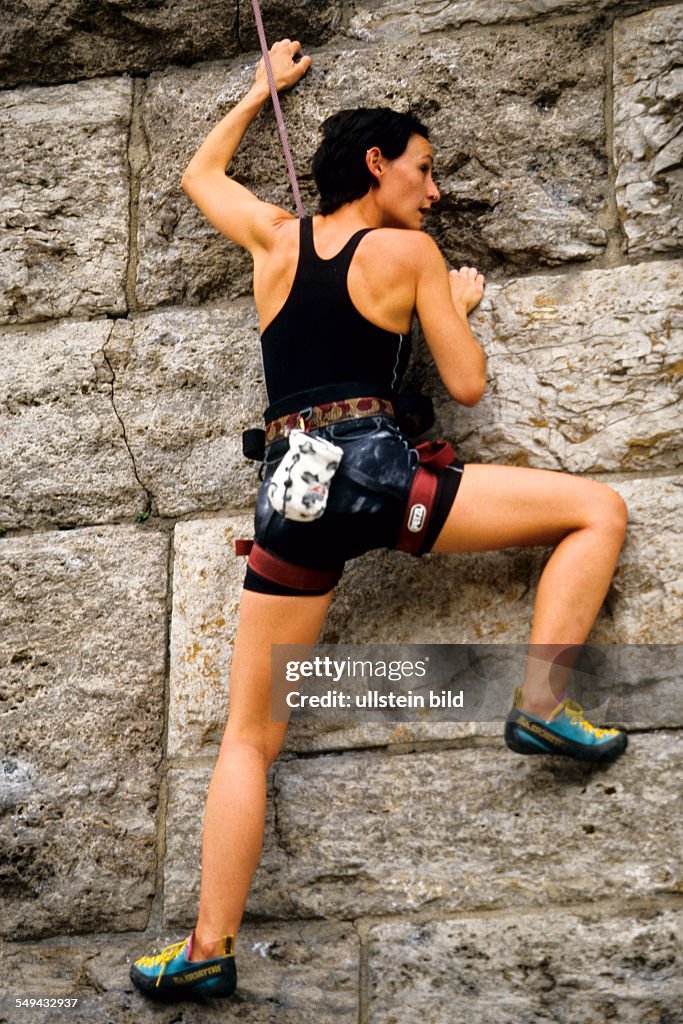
(308, 255)
(343, 259)
(306, 250)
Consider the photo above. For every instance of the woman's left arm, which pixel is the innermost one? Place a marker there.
(232, 208)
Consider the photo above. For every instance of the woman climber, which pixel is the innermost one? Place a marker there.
(336, 295)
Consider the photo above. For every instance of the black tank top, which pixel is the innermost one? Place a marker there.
(319, 345)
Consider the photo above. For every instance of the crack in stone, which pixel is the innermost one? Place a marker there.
(238, 26)
(138, 156)
(150, 507)
(277, 826)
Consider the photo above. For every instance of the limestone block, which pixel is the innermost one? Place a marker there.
(286, 972)
(565, 967)
(584, 372)
(480, 829)
(82, 690)
(187, 788)
(648, 128)
(207, 581)
(489, 598)
(647, 592)
(390, 19)
(486, 599)
(529, 190)
(64, 203)
(67, 460)
(76, 39)
(187, 383)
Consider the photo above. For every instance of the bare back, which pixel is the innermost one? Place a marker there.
(381, 279)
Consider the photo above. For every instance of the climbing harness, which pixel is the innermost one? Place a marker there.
(276, 107)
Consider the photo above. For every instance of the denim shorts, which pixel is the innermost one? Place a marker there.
(365, 509)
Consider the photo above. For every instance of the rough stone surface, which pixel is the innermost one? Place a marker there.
(181, 257)
(584, 373)
(207, 582)
(647, 592)
(313, 24)
(556, 126)
(489, 598)
(64, 204)
(530, 192)
(390, 19)
(286, 973)
(648, 128)
(186, 384)
(561, 967)
(188, 785)
(67, 457)
(454, 829)
(44, 42)
(81, 699)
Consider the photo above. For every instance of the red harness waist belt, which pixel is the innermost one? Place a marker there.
(434, 456)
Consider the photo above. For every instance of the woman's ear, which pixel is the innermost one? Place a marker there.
(373, 161)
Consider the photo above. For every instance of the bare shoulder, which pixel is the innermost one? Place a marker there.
(408, 250)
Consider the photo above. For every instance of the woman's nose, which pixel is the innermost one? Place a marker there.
(433, 193)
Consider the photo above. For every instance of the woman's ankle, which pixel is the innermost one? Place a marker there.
(541, 705)
(205, 948)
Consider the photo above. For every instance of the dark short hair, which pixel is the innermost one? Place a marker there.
(339, 167)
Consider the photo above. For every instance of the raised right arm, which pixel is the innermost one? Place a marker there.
(233, 209)
(442, 302)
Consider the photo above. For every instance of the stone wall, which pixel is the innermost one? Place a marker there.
(409, 872)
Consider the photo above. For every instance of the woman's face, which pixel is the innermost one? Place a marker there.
(406, 187)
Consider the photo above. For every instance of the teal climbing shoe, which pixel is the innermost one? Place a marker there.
(169, 976)
(565, 732)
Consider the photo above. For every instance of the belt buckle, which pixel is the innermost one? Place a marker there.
(304, 418)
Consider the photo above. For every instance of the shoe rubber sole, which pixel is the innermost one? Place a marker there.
(185, 985)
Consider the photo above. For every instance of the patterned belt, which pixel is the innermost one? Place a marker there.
(315, 416)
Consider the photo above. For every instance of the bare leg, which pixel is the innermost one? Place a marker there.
(509, 506)
(235, 808)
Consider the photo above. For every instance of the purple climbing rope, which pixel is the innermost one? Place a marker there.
(276, 106)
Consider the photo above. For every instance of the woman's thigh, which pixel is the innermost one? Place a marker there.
(264, 620)
(512, 506)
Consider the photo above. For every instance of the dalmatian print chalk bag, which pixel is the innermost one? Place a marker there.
(301, 482)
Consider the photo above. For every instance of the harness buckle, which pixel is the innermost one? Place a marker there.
(305, 417)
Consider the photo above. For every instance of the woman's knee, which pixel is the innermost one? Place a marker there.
(610, 512)
(264, 744)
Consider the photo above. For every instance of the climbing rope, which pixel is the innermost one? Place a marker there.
(276, 106)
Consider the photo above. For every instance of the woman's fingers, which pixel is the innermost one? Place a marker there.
(467, 285)
(286, 69)
(471, 273)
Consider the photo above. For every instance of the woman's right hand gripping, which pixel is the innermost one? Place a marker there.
(286, 70)
(467, 288)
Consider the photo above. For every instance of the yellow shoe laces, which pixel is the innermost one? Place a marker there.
(165, 957)
(575, 712)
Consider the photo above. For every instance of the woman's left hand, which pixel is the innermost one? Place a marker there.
(286, 70)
